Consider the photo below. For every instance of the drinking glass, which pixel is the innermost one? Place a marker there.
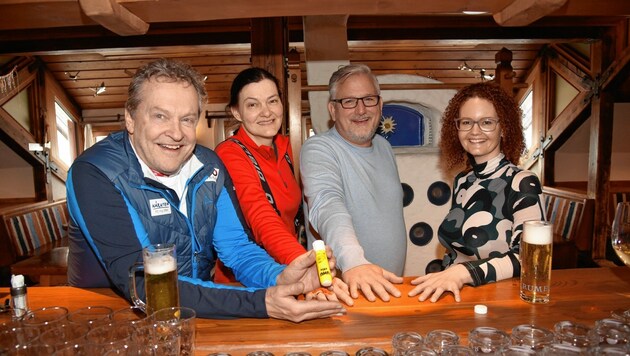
(110, 336)
(458, 350)
(570, 333)
(133, 315)
(531, 336)
(610, 332)
(535, 254)
(438, 339)
(160, 278)
(45, 318)
(32, 350)
(518, 350)
(487, 340)
(179, 321)
(404, 340)
(561, 350)
(63, 335)
(11, 338)
(92, 316)
(371, 351)
(620, 238)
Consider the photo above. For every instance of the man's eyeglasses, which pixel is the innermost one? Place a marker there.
(486, 124)
(351, 103)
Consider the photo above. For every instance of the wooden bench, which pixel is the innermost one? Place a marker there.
(572, 214)
(37, 237)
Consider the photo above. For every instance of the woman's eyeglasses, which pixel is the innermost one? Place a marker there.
(351, 103)
(486, 124)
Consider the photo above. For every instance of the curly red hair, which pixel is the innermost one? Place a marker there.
(508, 112)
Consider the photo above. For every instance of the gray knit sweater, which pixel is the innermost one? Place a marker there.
(354, 199)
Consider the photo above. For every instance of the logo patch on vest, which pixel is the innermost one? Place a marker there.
(159, 207)
(213, 177)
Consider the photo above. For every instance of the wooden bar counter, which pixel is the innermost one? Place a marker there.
(582, 295)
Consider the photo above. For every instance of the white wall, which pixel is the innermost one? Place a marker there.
(17, 182)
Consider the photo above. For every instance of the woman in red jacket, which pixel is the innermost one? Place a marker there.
(270, 204)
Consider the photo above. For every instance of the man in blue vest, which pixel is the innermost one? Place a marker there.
(153, 184)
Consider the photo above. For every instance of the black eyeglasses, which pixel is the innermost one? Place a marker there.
(487, 124)
(351, 103)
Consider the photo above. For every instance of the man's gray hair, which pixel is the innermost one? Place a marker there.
(345, 72)
(165, 70)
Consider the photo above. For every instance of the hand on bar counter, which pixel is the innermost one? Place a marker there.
(451, 279)
(372, 279)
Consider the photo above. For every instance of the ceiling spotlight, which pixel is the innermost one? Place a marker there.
(99, 90)
(73, 77)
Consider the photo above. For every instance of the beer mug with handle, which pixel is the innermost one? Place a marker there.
(159, 263)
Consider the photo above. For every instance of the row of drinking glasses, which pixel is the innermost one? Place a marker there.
(608, 337)
(98, 330)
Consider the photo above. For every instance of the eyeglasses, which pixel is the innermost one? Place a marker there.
(486, 124)
(351, 103)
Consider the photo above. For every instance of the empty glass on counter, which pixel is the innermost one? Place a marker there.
(570, 333)
(518, 350)
(334, 353)
(404, 340)
(439, 338)
(110, 336)
(63, 335)
(45, 318)
(561, 350)
(531, 336)
(487, 340)
(178, 321)
(92, 316)
(371, 351)
(622, 315)
(457, 350)
(610, 332)
(133, 315)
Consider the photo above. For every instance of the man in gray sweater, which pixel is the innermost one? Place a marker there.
(352, 187)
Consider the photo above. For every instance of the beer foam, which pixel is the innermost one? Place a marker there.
(538, 232)
(160, 265)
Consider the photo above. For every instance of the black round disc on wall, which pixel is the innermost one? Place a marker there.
(434, 266)
(407, 194)
(439, 193)
(421, 234)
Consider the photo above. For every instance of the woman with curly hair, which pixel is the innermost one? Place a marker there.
(492, 197)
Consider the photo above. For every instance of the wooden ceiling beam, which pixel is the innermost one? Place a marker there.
(524, 12)
(112, 16)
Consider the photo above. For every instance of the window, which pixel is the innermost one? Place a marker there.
(528, 130)
(65, 128)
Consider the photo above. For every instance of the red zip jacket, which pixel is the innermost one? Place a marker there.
(274, 233)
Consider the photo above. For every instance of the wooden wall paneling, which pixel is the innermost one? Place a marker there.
(294, 108)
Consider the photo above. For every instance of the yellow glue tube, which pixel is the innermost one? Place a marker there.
(323, 269)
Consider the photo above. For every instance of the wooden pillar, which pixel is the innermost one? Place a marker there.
(269, 47)
(602, 107)
(326, 49)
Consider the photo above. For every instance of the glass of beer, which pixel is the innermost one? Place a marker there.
(160, 278)
(535, 254)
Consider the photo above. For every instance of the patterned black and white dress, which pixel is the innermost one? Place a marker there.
(489, 205)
